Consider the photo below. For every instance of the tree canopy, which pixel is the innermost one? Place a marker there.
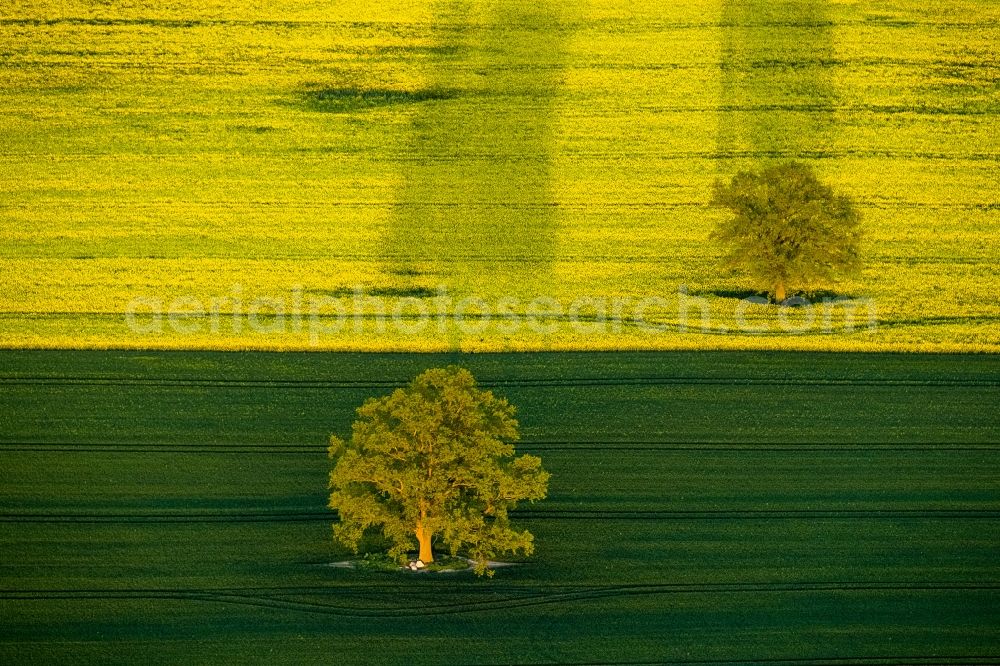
(435, 463)
(789, 231)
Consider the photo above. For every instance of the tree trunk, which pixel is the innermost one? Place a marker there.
(424, 539)
(779, 292)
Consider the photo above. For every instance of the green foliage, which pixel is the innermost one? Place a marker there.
(448, 563)
(377, 562)
(788, 230)
(435, 458)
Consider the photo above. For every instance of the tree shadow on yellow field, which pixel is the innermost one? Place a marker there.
(778, 97)
(475, 208)
(797, 298)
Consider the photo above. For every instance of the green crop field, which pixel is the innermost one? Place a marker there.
(704, 507)
(250, 159)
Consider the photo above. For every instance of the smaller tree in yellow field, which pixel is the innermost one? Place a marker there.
(788, 231)
(434, 462)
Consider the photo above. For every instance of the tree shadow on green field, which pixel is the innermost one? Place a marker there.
(474, 211)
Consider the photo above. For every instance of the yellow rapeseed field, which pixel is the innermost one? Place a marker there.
(485, 176)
